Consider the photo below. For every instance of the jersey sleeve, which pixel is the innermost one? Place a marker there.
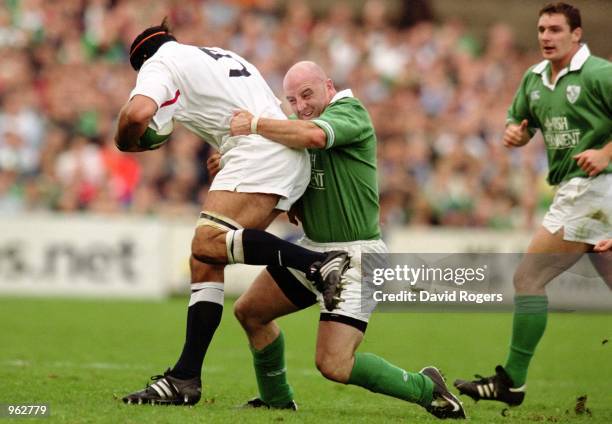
(602, 82)
(519, 109)
(343, 122)
(155, 81)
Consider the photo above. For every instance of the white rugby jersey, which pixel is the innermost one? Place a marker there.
(201, 87)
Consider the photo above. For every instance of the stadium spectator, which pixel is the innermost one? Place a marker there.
(67, 70)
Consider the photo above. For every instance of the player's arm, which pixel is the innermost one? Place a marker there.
(342, 123)
(134, 118)
(599, 85)
(518, 132)
(296, 134)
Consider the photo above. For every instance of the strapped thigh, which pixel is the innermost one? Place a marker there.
(232, 230)
(215, 220)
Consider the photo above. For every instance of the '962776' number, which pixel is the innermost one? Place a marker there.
(219, 54)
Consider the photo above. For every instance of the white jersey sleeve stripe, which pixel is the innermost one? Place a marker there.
(329, 132)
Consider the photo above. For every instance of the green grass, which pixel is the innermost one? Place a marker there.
(80, 357)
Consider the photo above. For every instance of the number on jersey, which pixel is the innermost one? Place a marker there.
(217, 54)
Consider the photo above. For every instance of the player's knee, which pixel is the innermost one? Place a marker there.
(208, 245)
(518, 281)
(524, 282)
(204, 272)
(246, 313)
(333, 367)
(242, 312)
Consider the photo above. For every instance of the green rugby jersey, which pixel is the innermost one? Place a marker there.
(574, 113)
(341, 202)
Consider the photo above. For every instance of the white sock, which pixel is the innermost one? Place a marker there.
(207, 292)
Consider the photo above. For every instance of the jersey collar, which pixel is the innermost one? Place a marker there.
(341, 95)
(576, 63)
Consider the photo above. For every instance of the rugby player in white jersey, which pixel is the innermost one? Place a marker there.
(200, 87)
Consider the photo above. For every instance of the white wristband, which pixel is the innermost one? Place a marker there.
(254, 122)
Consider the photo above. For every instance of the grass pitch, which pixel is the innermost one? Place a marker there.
(81, 356)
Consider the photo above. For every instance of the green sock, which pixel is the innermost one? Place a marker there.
(377, 375)
(530, 313)
(271, 373)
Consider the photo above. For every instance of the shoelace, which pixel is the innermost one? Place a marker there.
(155, 378)
(483, 380)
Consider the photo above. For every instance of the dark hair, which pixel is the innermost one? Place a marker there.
(147, 42)
(571, 13)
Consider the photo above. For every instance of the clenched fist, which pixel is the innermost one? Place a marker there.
(241, 123)
(516, 135)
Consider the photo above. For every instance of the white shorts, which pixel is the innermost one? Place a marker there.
(583, 208)
(257, 165)
(352, 305)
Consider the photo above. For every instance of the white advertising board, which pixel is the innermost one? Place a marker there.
(85, 256)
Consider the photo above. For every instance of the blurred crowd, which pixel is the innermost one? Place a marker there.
(437, 96)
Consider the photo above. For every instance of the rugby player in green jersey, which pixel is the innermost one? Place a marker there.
(568, 97)
(339, 211)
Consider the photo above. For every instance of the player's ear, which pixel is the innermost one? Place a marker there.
(330, 89)
(577, 35)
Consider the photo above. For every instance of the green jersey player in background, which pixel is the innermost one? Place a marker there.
(339, 211)
(568, 97)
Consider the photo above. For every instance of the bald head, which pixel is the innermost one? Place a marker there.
(304, 71)
(308, 89)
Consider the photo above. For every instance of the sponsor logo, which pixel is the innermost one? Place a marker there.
(572, 92)
(558, 134)
(99, 263)
(317, 176)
